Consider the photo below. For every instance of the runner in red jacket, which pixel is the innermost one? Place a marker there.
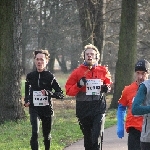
(87, 83)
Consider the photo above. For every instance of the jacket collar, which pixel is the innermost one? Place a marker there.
(85, 64)
(42, 71)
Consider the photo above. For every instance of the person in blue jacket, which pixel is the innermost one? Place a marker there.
(133, 124)
(141, 106)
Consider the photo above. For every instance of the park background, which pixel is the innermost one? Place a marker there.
(118, 28)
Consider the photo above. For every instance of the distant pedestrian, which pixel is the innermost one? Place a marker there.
(133, 124)
(88, 82)
(38, 93)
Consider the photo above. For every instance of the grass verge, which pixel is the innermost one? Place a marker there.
(65, 130)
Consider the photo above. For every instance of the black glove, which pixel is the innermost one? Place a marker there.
(58, 95)
(82, 82)
(104, 88)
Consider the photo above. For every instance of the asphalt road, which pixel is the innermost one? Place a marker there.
(110, 142)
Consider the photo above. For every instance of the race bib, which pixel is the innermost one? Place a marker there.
(93, 86)
(39, 99)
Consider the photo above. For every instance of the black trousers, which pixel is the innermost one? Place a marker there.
(145, 145)
(134, 139)
(46, 129)
(91, 127)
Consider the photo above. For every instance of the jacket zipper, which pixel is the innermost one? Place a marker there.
(39, 80)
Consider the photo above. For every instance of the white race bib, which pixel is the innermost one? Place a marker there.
(93, 86)
(39, 99)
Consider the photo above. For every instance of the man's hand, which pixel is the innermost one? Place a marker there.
(82, 82)
(44, 92)
(58, 95)
(120, 133)
(27, 104)
(104, 88)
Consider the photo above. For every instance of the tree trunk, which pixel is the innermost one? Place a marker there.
(10, 61)
(25, 32)
(29, 35)
(127, 49)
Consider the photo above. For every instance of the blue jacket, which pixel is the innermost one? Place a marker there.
(141, 106)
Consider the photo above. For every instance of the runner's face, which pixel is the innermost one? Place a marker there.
(40, 62)
(141, 76)
(90, 57)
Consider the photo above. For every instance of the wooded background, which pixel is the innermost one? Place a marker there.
(119, 28)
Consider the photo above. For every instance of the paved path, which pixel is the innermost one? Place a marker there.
(110, 142)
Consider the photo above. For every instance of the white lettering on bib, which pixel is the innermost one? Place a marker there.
(93, 86)
(39, 99)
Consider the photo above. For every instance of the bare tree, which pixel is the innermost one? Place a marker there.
(91, 22)
(127, 48)
(10, 61)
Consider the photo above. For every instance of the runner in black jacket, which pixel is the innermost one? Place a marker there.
(38, 93)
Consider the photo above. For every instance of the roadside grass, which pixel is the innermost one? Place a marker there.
(65, 128)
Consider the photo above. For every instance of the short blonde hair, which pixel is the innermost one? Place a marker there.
(90, 46)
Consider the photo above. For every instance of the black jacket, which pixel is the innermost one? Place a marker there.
(90, 108)
(37, 81)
